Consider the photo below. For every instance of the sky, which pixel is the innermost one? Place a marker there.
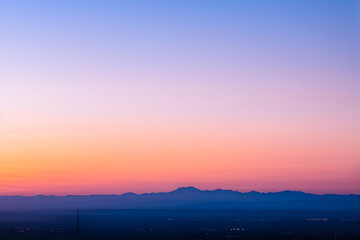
(107, 97)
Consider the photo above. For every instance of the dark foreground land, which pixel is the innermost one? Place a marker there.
(178, 224)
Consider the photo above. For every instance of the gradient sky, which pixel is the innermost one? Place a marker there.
(106, 97)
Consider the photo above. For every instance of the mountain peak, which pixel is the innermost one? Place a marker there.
(189, 189)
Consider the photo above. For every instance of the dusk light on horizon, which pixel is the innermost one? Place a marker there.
(109, 97)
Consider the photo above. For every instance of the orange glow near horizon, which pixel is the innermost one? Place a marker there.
(143, 160)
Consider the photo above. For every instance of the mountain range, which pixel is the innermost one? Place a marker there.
(188, 198)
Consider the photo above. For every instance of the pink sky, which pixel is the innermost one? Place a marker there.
(229, 96)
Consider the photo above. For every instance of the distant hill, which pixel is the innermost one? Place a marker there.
(188, 198)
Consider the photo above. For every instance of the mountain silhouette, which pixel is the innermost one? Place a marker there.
(186, 190)
(188, 198)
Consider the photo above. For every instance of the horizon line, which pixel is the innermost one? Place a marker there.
(187, 187)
